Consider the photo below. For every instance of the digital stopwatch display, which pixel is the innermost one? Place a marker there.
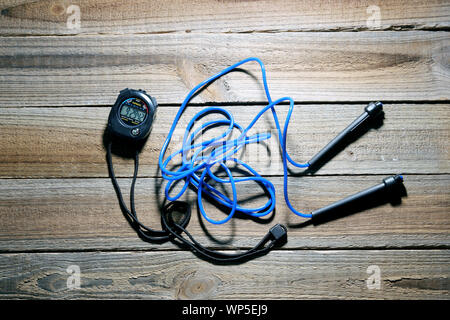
(133, 111)
(132, 115)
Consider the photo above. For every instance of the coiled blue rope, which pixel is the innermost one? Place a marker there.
(196, 170)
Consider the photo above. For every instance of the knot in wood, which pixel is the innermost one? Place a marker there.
(198, 285)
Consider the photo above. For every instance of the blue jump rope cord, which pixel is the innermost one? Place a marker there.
(197, 169)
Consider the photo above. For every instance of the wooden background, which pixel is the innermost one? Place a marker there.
(57, 204)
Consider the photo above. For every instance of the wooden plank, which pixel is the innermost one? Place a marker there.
(404, 274)
(83, 214)
(319, 66)
(107, 16)
(55, 95)
(67, 142)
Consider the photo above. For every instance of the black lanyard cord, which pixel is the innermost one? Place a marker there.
(277, 236)
(131, 215)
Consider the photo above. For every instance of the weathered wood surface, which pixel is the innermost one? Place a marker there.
(405, 274)
(308, 66)
(414, 138)
(58, 206)
(19, 17)
(83, 214)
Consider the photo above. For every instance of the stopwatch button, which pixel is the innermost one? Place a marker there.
(135, 131)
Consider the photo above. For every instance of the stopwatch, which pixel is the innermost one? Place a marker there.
(132, 115)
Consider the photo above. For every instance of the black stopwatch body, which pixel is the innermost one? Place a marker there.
(132, 115)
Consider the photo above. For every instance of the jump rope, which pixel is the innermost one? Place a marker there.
(130, 122)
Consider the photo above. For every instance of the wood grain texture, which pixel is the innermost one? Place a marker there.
(58, 207)
(405, 274)
(107, 16)
(83, 214)
(67, 142)
(319, 66)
